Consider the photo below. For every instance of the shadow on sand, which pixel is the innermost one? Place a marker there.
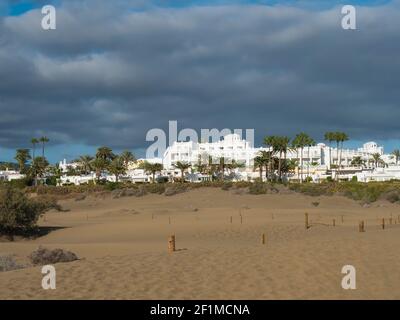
(26, 234)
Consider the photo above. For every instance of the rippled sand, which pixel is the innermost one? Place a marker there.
(122, 244)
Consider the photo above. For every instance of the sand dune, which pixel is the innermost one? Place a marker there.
(123, 246)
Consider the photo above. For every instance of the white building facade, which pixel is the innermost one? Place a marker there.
(318, 161)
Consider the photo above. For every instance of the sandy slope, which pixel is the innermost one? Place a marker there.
(122, 243)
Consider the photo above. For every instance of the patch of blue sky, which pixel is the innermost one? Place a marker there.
(18, 7)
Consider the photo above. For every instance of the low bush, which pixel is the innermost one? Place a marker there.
(140, 192)
(80, 197)
(364, 192)
(158, 188)
(175, 188)
(111, 186)
(227, 186)
(7, 263)
(18, 213)
(392, 196)
(242, 184)
(43, 256)
(20, 183)
(311, 189)
(258, 188)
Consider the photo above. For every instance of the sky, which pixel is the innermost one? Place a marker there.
(111, 71)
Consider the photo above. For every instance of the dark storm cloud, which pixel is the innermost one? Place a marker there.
(107, 75)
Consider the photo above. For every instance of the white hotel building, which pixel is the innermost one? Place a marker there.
(317, 159)
(233, 147)
(230, 147)
(316, 162)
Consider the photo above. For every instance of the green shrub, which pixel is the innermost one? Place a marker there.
(21, 183)
(365, 192)
(242, 184)
(175, 188)
(18, 212)
(226, 186)
(258, 188)
(162, 179)
(158, 188)
(392, 196)
(51, 181)
(110, 186)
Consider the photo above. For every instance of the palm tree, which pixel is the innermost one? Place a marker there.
(376, 158)
(272, 143)
(85, 163)
(268, 159)
(182, 166)
(330, 137)
(151, 168)
(117, 167)
(105, 153)
(34, 142)
(342, 137)
(43, 140)
(38, 168)
(222, 167)
(235, 165)
(357, 161)
(99, 164)
(212, 167)
(201, 166)
(282, 146)
(301, 141)
(291, 165)
(311, 142)
(22, 156)
(259, 164)
(127, 157)
(396, 154)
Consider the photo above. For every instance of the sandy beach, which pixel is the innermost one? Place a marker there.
(122, 246)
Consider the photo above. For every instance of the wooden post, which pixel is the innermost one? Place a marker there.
(391, 219)
(383, 223)
(241, 219)
(231, 219)
(171, 244)
(334, 222)
(361, 227)
(263, 238)
(342, 219)
(306, 221)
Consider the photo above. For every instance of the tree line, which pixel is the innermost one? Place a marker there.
(273, 163)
